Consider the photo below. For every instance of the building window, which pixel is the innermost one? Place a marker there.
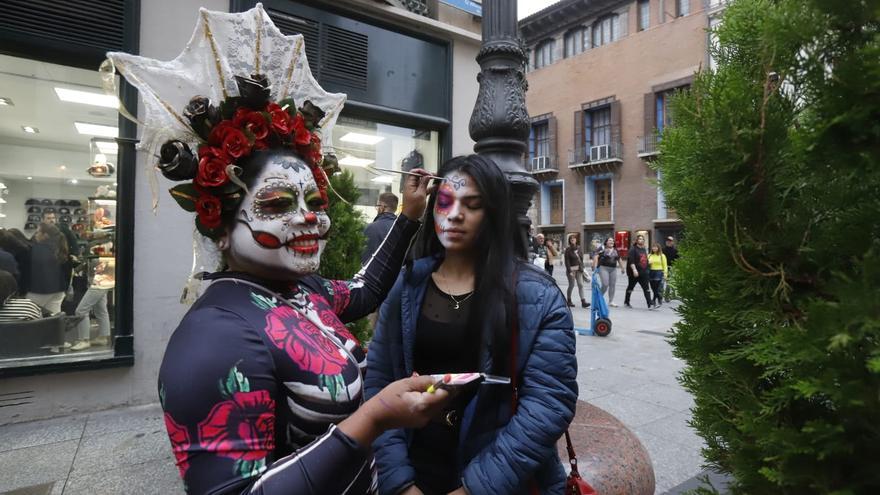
(58, 215)
(544, 53)
(576, 41)
(682, 7)
(603, 200)
(606, 30)
(539, 140)
(714, 22)
(552, 202)
(664, 117)
(557, 208)
(644, 14)
(597, 127)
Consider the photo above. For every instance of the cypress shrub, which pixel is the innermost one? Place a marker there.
(341, 258)
(774, 168)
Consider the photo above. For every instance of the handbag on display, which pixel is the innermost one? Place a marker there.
(574, 484)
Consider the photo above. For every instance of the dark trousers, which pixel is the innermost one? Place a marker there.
(657, 286)
(549, 268)
(642, 280)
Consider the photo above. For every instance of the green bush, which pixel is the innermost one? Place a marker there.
(774, 167)
(341, 258)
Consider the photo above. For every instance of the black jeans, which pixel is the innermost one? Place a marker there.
(642, 280)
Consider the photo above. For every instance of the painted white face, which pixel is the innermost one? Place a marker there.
(280, 227)
(458, 212)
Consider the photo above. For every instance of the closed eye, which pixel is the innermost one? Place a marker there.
(315, 202)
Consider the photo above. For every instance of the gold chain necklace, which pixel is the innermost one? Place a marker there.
(454, 300)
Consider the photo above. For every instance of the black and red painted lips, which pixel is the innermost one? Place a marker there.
(306, 244)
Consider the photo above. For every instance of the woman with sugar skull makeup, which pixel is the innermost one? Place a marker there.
(261, 382)
(453, 311)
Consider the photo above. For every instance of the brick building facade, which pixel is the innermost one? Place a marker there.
(600, 76)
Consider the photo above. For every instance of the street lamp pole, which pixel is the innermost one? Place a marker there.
(500, 122)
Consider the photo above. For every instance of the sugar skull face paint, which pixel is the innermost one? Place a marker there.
(281, 224)
(458, 212)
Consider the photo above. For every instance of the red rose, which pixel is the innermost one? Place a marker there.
(212, 167)
(253, 122)
(301, 136)
(330, 319)
(236, 144)
(282, 122)
(208, 207)
(303, 342)
(241, 428)
(180, 443)
(220, 131)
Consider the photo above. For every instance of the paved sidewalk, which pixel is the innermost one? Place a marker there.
(631, 374)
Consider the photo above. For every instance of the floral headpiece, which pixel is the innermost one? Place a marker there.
(256, 92)
(231, 132)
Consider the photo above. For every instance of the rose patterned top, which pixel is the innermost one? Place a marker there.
(256, 375)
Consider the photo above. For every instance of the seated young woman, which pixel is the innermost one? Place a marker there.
(454, 311)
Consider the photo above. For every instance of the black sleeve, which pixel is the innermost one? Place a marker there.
(360, 296)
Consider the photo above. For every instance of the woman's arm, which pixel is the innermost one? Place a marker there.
(361, 296)
(547, 398)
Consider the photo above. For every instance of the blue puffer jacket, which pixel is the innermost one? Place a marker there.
(498, 454)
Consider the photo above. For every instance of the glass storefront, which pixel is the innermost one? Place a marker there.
(58, 178)
(364, 147)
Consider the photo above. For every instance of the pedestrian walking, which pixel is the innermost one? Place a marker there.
(542, 251)
(607, 260)
(671, 252)
(637, 271)
(574, 270)
(657, 273)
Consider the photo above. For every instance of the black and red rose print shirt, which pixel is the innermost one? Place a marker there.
(257, 374)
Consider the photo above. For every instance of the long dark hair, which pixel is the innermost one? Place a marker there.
(494, 256)
(55, 239)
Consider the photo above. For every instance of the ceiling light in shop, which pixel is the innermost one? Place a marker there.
(383, 179)
(6, 102)
(2, 201)
(62, 167)
(353, 161)
(107, 147)
(2, 215)
(30, 130)
(96, 129)
(73, 181)
(30, 178)
(2, 185)
(87, 97)
(354, 137)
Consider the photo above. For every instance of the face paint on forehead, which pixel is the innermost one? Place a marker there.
(457, 181)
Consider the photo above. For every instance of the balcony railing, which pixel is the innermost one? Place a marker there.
(649, 146)
(542, 165)
(595, 155)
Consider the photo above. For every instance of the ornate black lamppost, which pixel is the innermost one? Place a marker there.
(500, 122)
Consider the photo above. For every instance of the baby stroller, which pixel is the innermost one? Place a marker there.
(600, 324)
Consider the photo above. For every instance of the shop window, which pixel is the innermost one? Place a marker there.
(363, 145)
(58, 214)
